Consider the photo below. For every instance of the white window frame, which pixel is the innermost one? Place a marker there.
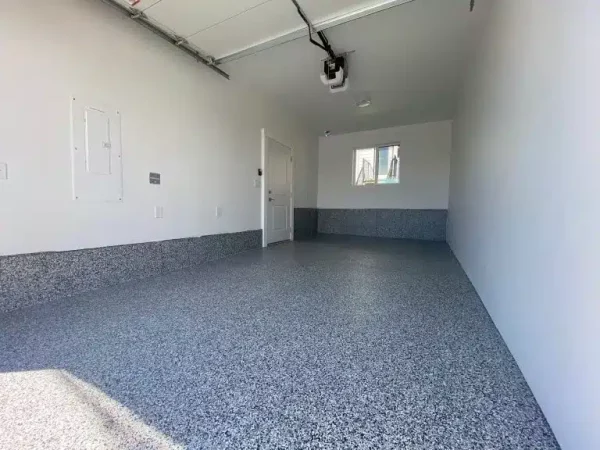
(376, 161)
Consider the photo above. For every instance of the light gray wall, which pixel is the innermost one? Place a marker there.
(200, 131)
(424, 168)
(523, 215)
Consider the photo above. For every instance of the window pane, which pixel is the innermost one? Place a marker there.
(364, 166)
(388, 165)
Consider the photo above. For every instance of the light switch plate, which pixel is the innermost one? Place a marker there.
(158, 212)
(3, 171)
(218, 211)
(257, 182)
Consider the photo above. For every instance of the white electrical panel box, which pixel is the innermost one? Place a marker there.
(96, 152)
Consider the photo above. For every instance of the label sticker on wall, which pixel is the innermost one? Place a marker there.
(154, 178)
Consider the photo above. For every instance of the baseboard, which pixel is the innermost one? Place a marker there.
(35, 278)
(422, 224)
(305, 223)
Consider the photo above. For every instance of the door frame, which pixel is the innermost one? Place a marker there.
(265, 182)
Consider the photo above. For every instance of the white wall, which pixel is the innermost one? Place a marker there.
(200, 131)
(424, 168)
(523, 217)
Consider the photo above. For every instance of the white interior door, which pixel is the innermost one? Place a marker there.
(279, 191)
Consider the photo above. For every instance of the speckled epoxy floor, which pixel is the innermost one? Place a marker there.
(331, 343)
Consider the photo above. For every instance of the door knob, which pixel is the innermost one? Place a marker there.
(271, 199)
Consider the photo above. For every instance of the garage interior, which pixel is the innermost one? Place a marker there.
(299, 224)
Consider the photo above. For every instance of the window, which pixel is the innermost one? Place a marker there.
(377, 165)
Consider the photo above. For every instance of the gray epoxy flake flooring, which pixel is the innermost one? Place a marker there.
(330, 343)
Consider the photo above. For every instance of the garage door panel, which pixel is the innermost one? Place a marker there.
(266, 21)
(188, 17)
(141, 6)
(317, 10)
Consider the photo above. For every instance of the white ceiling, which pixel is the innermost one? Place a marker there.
(408, 60)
